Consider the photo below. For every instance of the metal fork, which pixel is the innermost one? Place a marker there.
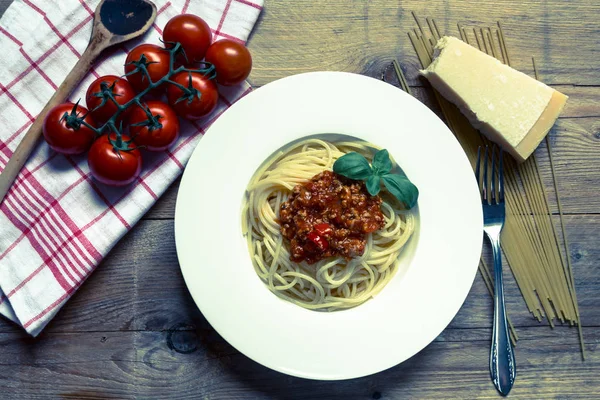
(502, 359)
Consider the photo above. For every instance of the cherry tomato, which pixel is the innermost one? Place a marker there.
(323, 229)
(121, 90)
(160, 132)
(159, 67)
(318, 240)
(64, 133)
(232, 61)
(115, 164)
(190, 106)
(192, 32)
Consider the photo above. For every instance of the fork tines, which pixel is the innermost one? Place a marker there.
(492, 192)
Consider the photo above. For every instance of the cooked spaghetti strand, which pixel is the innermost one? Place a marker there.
(333, 283)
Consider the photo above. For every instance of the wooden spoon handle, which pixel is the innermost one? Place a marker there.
(29, 141)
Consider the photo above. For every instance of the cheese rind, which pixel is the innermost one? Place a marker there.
(509, 107)
(542, 126)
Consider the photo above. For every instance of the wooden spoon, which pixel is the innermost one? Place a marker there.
(115, 21)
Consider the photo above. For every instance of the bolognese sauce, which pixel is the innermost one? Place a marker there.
(327, 216)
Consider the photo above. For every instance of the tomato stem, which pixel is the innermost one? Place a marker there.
(180, 86)
(75, 121)
(152, 121)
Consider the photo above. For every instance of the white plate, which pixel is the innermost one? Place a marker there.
(438, 265)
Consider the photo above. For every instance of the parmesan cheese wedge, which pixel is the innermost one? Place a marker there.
(509, 107)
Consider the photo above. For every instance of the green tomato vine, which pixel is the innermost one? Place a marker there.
(189, 93)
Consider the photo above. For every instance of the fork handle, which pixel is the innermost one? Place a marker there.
(502, 358)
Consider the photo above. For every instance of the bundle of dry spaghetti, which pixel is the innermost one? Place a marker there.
(530, 242)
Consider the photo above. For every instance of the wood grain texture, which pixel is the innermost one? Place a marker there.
(133, 332)
(146, 364)
(360, 36)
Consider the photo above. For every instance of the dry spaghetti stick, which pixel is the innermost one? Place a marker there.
(461, 33)
(503, 43)
(501, 48)
(421, 52)
(436, 28)
(483, 40)
(564, 233)
(431, 29)
(492, 46)
(535, 202)
(401, 77)
(427, 48)
(418, 23)
(554, 180)
(466, 36)
(536, 196)
(477, 38)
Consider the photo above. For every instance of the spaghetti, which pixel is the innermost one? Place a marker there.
(333, 283)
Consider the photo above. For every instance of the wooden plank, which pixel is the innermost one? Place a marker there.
(583, 101)
(575, 147)
(69, 366)
(363, 37)
(201, 365)
(575, 143)
(140, 287)
(457, 369)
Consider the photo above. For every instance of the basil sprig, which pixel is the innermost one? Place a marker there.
(356, 167)
(353, 166)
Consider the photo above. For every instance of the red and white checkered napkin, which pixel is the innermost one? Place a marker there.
(56, 223)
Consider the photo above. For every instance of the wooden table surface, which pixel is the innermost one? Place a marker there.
(133, 331)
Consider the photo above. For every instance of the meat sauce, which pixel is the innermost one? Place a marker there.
(329, 215)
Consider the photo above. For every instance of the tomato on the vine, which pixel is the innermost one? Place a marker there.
(158, 132)
(122, 93)
(192, 32)
(156, 60)
(232, 61)
(114, 162)
(198, 100)
(64, 131)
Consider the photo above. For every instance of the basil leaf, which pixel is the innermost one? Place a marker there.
(381, 163)
(353, 166)
(373, 185)
(402, 188)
